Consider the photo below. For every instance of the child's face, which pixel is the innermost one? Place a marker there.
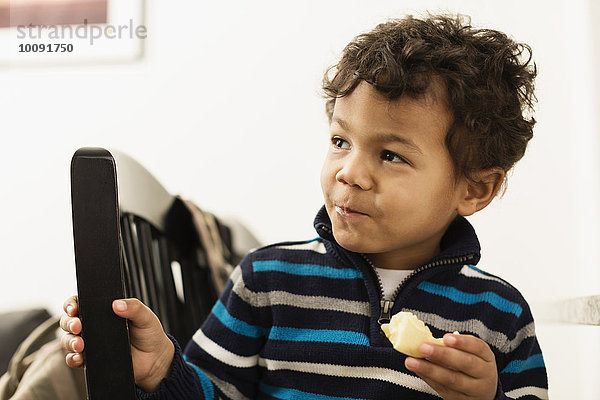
(388, 179)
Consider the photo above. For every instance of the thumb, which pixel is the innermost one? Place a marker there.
(135, 311)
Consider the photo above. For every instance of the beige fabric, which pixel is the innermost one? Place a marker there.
(210, 238)
(42, 375)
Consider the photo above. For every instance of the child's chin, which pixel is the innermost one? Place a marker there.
(352, 244)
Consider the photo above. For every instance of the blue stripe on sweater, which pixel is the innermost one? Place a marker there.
(472, 298)
(293, 394)
(306, 269)
(518, 366)
(474, 268)
(318, 335)
(236, 325)
(207, 387)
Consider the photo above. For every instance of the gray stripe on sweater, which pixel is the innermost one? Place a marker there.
(279, 297)
(227, 388)
(494, 338)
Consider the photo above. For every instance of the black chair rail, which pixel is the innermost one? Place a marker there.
(133, 239)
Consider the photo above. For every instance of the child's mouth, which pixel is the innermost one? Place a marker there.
(348, 212)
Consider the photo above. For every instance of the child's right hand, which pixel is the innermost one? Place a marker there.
(151, 350)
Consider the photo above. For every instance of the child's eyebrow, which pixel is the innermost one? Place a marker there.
(382, 137)
(390, 137)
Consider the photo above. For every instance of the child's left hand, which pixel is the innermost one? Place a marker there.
(464, 369)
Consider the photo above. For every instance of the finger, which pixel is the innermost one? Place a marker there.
(74, 360)
(443, 391)
(70, 324)
(71, 306)
(454, 359)
(440, 378)
(135, 311)
(72, 343)
(470, 344)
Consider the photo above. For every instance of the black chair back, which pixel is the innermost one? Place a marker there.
(134, 239)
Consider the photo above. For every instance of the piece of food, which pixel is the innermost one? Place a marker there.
(407, 333)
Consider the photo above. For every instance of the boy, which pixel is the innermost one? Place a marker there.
(426, 118)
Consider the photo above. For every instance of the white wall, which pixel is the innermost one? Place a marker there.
(225, 110)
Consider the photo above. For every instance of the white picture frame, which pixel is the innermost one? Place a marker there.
(120, 39)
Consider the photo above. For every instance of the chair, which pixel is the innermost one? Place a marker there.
(134, 239)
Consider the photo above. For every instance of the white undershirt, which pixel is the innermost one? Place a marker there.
(391, 278)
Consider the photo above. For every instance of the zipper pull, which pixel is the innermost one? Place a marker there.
(385, 315)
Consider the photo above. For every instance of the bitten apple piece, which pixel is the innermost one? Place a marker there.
(407, 333)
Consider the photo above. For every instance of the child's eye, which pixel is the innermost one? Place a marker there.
(392, 157)
(340, 143)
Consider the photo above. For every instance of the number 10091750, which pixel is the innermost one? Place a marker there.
(45, 48)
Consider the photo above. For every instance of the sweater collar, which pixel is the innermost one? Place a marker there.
(459, 240)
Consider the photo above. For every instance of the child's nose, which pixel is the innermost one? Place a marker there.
(355, 172)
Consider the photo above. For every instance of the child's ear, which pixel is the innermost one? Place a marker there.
(480, 191)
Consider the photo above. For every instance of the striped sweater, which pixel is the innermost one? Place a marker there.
(301, 320)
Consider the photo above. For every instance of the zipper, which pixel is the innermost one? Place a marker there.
(326, 230)
(385, 314)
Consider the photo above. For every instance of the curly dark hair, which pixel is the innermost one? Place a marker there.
(488, 79)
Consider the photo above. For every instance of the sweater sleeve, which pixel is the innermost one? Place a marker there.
(221, 359)
(521, 368)
(182, 383)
